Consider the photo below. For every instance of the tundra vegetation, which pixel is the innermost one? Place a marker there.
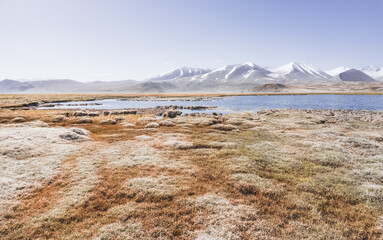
(277, 174)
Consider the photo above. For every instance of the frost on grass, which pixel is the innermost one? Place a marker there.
(84, 179)
(122, 230)
(226, 220)
(30, 153)
(174, 141)
(137, 153)
(161, 186)
(122, 212)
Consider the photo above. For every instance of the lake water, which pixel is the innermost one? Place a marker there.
(250, 103)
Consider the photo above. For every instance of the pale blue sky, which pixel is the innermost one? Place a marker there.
(108, 40)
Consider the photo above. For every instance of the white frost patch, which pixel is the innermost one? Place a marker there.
(122, 231)
(226, 220)
(144, 138)
(84, 179)
(135, 153)
(29, 154)
(162, 186)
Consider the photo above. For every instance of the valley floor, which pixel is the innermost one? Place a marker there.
(277, 174)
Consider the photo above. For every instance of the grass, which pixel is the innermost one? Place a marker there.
(285, 180)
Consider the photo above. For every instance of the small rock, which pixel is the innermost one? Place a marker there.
(172, 113)
(106, 113)
(152, 125)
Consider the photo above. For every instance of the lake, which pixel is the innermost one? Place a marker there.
(249, 103)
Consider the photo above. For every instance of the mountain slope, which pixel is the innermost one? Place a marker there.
(234, 72)
(179, 73)
(298, 72)
(12, 86)
(337, 70)
(354, 75)
(374, 72)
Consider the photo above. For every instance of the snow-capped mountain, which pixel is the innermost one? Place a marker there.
(179, 73)
(229, 78)
(374, 72)
(337, 70)
(294, 71)
(246, 71)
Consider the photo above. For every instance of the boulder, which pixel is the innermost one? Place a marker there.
(4, 121)
(18, 120)
(83, 120)
(152, 125)
(225, 127)
(108, 122)
(172, 113)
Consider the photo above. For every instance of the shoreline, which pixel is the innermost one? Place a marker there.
(28, 100)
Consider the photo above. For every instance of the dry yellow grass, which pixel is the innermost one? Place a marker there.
(288, 178)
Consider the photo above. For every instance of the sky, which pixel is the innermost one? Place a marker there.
(108, 40)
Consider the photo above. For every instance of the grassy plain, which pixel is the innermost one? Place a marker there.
(285, 174)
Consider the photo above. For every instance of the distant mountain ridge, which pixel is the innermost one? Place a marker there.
(229, 78)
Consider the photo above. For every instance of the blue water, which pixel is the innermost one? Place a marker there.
(251, 103)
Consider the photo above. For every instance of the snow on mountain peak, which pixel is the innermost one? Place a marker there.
(338, 70)
(372, 68)
(179, 73)
(374, 72)
(298, 71)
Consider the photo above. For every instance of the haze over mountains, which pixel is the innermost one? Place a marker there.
(229, 78)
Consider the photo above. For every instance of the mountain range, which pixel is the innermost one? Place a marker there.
(229, 78)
